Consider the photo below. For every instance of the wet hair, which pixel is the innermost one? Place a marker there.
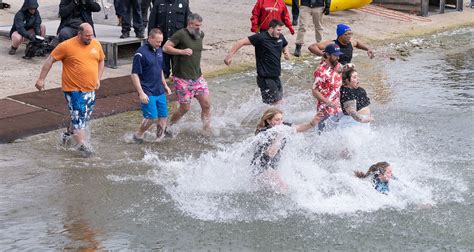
(347, 72)
(194, 16)
(375, 169)
(267, 115)
(154, 32)
(274, 23)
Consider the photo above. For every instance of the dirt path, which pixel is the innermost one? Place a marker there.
(225, 21)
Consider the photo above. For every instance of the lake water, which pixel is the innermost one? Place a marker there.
(197, 192)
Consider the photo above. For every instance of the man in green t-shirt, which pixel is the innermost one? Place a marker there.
(186, 46)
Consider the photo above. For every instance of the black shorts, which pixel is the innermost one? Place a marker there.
(270, 88)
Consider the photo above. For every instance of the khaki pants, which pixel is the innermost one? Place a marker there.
(306, 14)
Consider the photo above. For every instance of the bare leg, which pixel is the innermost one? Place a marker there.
(182, 110)
(205, 102)
(146, 123)
(275, 181)
(160, 128)
(79, 136)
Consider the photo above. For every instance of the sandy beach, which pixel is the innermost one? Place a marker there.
(224, 23)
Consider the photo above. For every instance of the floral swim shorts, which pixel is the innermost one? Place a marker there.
(187, 89)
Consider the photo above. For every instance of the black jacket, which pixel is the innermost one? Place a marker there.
(316, 3)
(75, 12)
(24, 21)
(169, 15)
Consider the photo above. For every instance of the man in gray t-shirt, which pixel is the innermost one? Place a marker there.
(186, 47)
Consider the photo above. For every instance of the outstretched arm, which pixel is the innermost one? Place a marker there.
(317, 48)
(306, 126)
(239, 44)
(362, 46)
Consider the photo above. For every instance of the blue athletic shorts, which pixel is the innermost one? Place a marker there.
(157, 107)
(80, 104)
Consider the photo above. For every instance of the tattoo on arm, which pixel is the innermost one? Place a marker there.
(351, 109)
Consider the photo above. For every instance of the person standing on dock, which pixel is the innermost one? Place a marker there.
(148, 80)
(265, 11)
(186, 46)
(295, 11)
(269, 46)
(170, 16)
(132, 11)
(73, 13)
(345, 41)
(83, 64)
(311, 10)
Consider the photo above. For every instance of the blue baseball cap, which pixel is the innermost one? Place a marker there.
(333, 49)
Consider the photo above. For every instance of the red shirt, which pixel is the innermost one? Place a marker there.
(328, 82)
(265, 11)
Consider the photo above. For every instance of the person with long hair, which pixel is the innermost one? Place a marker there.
(381, 173)
(354, 100)
(270, 143)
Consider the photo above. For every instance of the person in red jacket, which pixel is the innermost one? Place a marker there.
(265, 11)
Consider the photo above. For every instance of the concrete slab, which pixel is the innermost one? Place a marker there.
(11, 108)
(116, 104)
(30, 124)
(115, 86)
(51, 99)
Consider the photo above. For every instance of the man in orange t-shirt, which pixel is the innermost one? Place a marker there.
(83, 65)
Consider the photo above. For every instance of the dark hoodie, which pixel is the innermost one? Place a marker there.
(24, 21)
(73, 14)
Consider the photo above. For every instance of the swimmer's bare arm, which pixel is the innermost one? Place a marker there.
(317, 48)
(169, 48)
(306, 126)
(360, 45)
(351, 109)
(275, 146)
(239, 44)
(44, 72)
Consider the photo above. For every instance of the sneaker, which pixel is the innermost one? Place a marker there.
(125, 35)
(66, 138)
(139, 35)
(12, 50)
(137, 140)
(85, 151)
